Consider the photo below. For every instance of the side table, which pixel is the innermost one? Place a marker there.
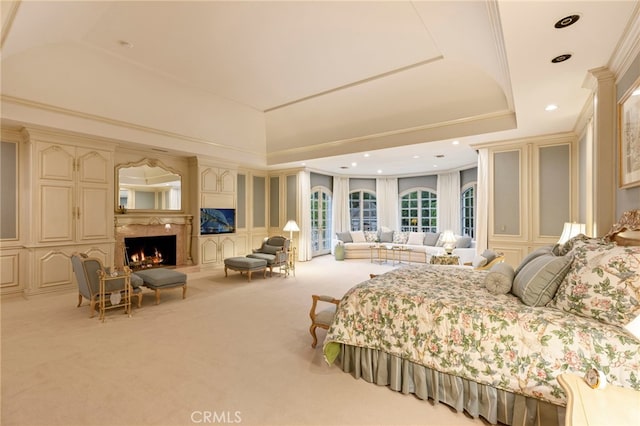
(118, 288)
(612, 405)
(445, 259)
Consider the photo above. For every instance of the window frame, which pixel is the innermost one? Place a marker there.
(419, 219)
(362, 219)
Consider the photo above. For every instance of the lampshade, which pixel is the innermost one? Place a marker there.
(291, 226)
(570, 230)
(448, 237)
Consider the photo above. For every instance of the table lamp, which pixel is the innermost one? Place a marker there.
(570, 230)
(448, 240)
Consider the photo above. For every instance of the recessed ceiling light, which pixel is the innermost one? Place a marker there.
(354, 164)
(455, 143)
(125, 43)
(304, 164)
(551, 107)
(635, 92)
(561, 58)
(366, 155)
(379, 171)
(416, 156)
(566, 21)
(435, 165)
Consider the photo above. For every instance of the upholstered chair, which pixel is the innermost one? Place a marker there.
(275, 250)
(323, 318)
(87, 274)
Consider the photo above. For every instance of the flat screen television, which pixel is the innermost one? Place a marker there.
(217, 221)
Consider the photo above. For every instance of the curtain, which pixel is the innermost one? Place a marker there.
(304, 214)
(340, 219)
(387, 204)
(482, 202)
(449, 202)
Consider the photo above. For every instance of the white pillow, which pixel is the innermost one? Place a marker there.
(416, 238)
(358, 237)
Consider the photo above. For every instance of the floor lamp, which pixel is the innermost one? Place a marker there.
(291, 226)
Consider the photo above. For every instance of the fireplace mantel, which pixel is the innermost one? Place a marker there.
(151, 219)
(145, 224)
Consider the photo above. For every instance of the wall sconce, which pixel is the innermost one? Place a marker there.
(570, 230)
(167, 227)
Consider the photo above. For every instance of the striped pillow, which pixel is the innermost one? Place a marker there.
(536, 283)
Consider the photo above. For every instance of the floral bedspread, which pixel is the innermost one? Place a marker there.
(443, 318)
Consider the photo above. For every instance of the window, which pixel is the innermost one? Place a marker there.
(362, 211)
(320, 221)
(467, 215)
(419, 211)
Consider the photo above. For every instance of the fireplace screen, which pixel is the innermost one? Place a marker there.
(150, 252)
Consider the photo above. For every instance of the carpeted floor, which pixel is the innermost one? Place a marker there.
(231, 352)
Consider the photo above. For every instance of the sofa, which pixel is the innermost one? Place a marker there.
(423, 245)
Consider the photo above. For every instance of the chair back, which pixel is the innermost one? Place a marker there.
(86, 271)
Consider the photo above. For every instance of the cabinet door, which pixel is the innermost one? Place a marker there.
(93, 208)
(209, 250)
(227, 181)
(227, 248)
(57, 212)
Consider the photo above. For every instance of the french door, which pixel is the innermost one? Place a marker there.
(320, 221)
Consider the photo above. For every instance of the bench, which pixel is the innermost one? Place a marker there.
(162, 279)
(246, 264)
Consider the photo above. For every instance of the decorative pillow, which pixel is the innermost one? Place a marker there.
(385, 229)
(358, 237)
(400, 237)
(386, 236)
(463, 242)
(431, 238)
(345, 237)
(500, 278)
(479, 261)
(604, 283)
(490, 255)
(528, 258)
(269, 249)
(538, 280)
(371, 236)
(415, 238)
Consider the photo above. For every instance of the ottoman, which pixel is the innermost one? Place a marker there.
(162, 279)
(246, 264)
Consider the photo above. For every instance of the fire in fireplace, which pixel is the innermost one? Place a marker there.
(150, 252)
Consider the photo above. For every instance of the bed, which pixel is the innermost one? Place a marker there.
(438, 332)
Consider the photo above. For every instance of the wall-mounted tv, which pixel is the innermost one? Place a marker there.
(217, 221)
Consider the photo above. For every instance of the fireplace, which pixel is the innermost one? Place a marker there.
(150, 251)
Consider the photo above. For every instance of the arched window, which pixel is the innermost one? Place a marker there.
(320, 221)
(468, 209)
(362, 211)
(419, 211)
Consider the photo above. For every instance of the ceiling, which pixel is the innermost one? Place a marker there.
(323, 83)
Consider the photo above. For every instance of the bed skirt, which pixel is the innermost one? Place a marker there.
(477, 400)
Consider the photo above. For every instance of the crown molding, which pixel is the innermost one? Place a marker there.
(628, 47)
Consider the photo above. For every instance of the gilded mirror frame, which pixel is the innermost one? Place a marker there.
(162, 183)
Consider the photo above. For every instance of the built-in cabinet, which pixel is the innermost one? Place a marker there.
(532, 193)
(216, 188)
(71, 200)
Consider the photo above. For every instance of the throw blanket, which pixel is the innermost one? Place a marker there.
(442, 317)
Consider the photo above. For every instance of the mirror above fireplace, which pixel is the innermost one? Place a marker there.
(147, 185)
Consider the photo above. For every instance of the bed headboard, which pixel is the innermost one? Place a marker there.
(627, 231)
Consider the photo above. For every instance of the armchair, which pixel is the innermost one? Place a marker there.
(275, 250)
(87, 271)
